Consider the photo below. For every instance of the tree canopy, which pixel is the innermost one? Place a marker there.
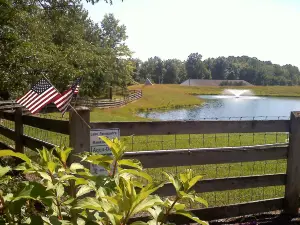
(58, 40)
(246, 68)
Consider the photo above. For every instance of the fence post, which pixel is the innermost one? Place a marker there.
(19, 147)
(292, 188)
(79, 131)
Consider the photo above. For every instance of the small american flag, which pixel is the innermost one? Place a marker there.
(63, 101)
(41, 94)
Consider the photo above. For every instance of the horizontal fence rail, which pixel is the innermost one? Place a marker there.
(186, 157)
(78, 133)
(195, 127)
(96, 103)
(228, 211)
(231, 183)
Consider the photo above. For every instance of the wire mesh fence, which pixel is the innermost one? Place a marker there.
(191, 141)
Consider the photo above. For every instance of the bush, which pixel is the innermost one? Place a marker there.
(62, 194)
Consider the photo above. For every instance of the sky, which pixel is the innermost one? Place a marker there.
(266, 29)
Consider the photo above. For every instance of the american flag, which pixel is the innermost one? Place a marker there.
(63, 101)
(41, 94)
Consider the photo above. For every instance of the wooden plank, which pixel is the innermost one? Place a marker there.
(222, 212)
(58, 126)
(9, 133)
(195, 127)
(4, 146)
(34, 143)
(7, 115)
(19, 130)
(79, 132)
(292, 188)
(203, 156)
(231, 183)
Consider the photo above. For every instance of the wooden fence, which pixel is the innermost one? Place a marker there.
(79, 140)
(95, 103)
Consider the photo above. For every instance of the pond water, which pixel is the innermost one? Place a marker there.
(222, 106)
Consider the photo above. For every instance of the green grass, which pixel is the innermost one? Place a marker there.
(164, 97)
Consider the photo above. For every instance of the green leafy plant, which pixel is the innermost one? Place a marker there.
(58, 193)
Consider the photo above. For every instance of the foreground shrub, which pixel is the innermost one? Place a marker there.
(60, 194)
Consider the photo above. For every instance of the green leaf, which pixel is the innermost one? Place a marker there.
(64, 153)
(76, 166)
(32, 190)
(193, 181)
(191, 216)
(156, 212)
(45, 176)
(179, 206)
(68, 201)
(84, 189)
(183, 177)
(137, 173)
(51, 166)
(201, 200)
(21, 166)
(60, 190)
(147, 203)
(80, 181)
(131, 163)
(15, 154)
(174, 181)
(89, 203)
(4, 170)
(67, 177)
(113, 147)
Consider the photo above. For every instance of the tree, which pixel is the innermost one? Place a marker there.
(172, 70)
(195, 68)
(56, 39)
(153, 69)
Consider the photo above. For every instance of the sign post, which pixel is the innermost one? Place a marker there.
(97, 145)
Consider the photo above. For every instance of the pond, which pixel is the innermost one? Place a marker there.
(231, 107)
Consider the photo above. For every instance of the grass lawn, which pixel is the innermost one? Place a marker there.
(175, 96)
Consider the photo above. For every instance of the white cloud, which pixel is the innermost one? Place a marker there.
(266, 29)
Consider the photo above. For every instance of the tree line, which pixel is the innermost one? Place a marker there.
(58, 40)
(246, 68)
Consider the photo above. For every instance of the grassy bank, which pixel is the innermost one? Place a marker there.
(278, 91)
(165, 96)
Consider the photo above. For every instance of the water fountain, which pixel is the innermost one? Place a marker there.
(237, 93)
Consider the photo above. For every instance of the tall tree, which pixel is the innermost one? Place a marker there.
(195, 68)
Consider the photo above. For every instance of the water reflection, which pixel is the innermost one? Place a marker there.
(231, 107)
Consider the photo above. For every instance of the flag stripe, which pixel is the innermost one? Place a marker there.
(48, 100)
(35, 101)
(64, 101)
(42, 97)
(63, 97)
(65, 105)
(62, 108)
(25, 96)
(28, 100)
(40, 94)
